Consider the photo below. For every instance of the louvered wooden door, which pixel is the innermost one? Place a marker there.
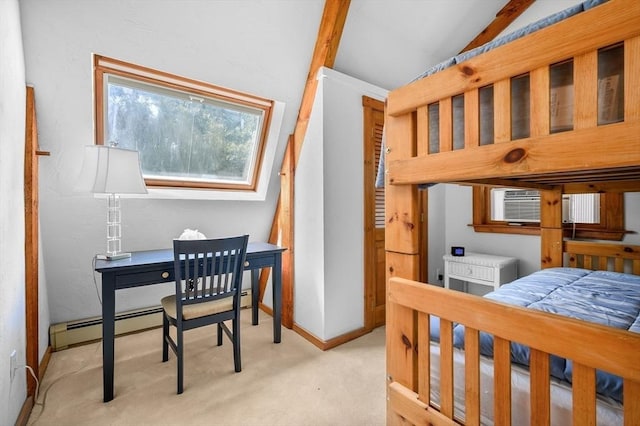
(375, 292)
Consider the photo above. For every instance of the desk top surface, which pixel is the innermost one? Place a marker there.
(149, 257)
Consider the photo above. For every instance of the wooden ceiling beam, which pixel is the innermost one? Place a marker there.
(324, 55)
(503, 19)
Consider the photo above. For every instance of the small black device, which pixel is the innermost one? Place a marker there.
(457, 251)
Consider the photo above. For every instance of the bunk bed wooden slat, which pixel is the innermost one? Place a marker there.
(472, 376)
(446, 125)
(472, 119)
(424, 359)
(632, 411)
(423, 130)
(608, 250)
(446, 368)
(587, 262)
(553, 153)
(540, 391)
(584, 395)
(502, 107)
(502, 381)
(602, 263)
(585, 107)
(539, 100)
(632, 78)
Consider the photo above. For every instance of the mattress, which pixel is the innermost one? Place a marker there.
(607, 298)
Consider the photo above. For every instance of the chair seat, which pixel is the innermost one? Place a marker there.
(196, 310)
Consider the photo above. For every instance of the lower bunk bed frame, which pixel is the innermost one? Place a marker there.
(544, 333)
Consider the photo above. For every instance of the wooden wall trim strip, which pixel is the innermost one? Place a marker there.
(31, 239)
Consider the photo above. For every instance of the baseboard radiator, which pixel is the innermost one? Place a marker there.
(73, 333)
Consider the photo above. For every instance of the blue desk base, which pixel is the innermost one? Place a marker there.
(155, 267)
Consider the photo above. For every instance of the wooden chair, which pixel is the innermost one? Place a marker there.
(208, 290)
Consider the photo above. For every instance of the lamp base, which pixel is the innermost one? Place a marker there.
(113, 256)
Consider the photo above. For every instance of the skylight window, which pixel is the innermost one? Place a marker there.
(189, 134)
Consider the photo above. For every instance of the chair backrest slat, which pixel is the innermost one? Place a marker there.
(207, 270)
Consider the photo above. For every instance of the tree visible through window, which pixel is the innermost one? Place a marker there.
(188, 133)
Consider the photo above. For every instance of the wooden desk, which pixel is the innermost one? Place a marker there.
(156, 266)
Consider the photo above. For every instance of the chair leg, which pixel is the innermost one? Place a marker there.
(236, 345)
(165, 334)
(180, 356)
(220, 334)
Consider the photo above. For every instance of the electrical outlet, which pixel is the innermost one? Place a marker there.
(439, 275)
(13, 364)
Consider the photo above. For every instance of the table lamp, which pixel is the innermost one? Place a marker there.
(112, 171)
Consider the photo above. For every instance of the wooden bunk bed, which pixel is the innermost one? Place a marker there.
(582, 151)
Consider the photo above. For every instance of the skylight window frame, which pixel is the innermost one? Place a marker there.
(166, 82)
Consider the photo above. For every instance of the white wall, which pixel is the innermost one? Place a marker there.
(329, 215)
(204, 43)
(309, 222)
(632, 218)
(12, 281)
(437, 231)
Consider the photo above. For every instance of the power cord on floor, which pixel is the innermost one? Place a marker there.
(46, 392)
(33, 374)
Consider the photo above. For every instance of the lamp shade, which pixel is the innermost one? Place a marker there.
(110, 170)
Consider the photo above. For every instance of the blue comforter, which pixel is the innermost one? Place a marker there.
(607, 298)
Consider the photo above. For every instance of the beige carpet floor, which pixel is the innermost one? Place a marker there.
(291, 383)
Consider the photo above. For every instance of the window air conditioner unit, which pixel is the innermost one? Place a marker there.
(521, 206)
(524, 206)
